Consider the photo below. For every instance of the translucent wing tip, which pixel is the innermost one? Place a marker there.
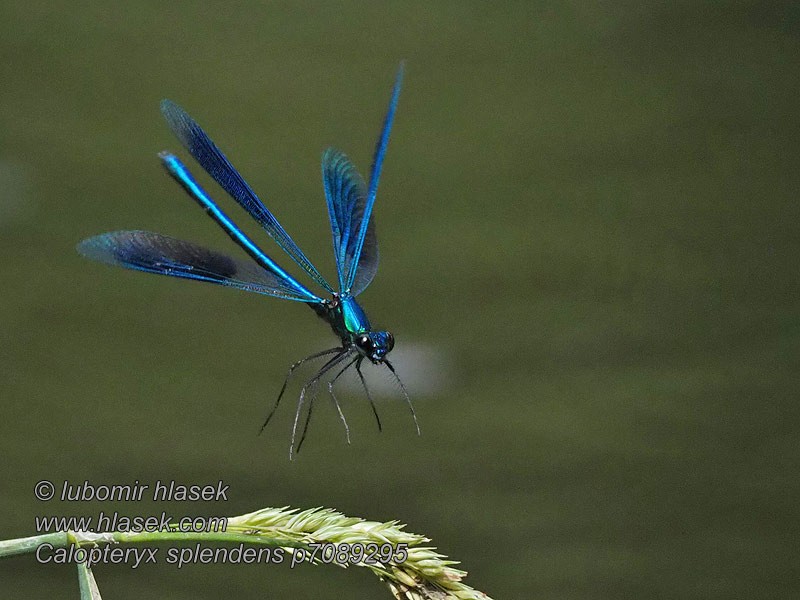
(328, 154)
(179, 121)
(88, 248)
(398, 81)
(84, 247)
(102, 248)
(167, 106)
(333, 156)
(170, 111)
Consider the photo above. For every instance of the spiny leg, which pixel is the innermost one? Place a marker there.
(313, 383)
(405, 393)
(308, 417)
(325, 368)
(336, 403)
(288, 376)
(296, 417)
(369, 396)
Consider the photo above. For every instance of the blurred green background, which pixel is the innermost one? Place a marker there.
(588, 217)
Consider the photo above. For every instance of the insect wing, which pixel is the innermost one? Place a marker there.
(346, 194)
(200, 146)
(375, 172)
(156, 253)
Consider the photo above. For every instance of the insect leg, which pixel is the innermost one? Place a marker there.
(405, 393)
(313, 381)
(288, 376)
(336, 402)
(369, 396)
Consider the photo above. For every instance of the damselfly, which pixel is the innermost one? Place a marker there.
(350, 200)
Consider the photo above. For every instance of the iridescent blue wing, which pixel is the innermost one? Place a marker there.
(346, 194)
(200, 146)
(181, 174)
(156, 253)
(374, 176)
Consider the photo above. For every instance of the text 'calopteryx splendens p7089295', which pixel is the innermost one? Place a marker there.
(350, 201)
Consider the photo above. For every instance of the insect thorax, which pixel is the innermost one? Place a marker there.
(346, 317)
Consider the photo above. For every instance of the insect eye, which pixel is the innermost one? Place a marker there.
(363, 340)
(389, 342)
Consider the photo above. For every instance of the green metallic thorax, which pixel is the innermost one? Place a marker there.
(346, 317)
